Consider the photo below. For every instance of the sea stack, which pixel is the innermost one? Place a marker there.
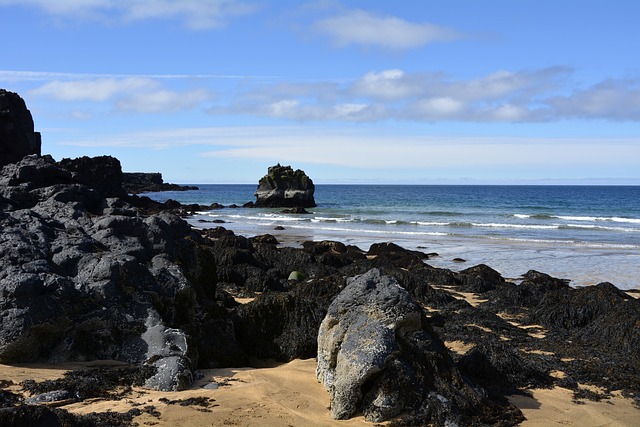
(282, 187)
(17, 138)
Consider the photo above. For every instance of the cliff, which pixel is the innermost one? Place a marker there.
(17, 138)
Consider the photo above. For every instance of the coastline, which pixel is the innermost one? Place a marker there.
(182, 318)
(511, 259)
(587, 234)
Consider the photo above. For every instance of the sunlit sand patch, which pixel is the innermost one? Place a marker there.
(635, 293)
(244, 300)
(534, 331)
(472, 298)
(558, 374)
(482, 328)
(287, 394)
(459, 347)
(540, 352)
(556, 407)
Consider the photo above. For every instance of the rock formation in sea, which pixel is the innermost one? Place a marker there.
(17, 137)
(143, 182)
(282, 187)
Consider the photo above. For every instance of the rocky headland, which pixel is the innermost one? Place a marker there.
(146, 182)
(91, 273)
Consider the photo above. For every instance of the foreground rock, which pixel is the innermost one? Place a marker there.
(282, 187)
(377, 355)
(85, 276)
(17, 137)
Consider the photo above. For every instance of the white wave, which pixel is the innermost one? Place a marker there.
(430, 223)
(331, 219)
(522, 216)
(519, 226)
(602, 227)
(574, 243)
(371, 231)
(599, 218)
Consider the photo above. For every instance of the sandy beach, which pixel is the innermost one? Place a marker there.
(289, 395)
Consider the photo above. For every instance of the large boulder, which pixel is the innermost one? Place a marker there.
(282, 187)
(17, 138)
(377, 355)
(103, 173)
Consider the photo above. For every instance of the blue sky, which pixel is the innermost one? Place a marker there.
(424, 92)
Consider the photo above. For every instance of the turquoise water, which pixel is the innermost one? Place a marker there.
(588, 234)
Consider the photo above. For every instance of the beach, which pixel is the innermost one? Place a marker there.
(288, 394)
(93, 274)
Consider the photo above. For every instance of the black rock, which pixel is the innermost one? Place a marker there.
(17, 138)
(141, 182)
(282, 187)
(377, 355)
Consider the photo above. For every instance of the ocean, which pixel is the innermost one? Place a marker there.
(588, 234)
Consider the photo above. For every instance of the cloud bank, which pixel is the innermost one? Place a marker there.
(525, 96)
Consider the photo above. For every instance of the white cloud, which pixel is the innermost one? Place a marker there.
(163, 101)
(100, 89)
(613, 99)
(364, 28)
(387, 84)
(195, 14)
(393, 94)
(129, 94)
(284, 108)
(439, 108)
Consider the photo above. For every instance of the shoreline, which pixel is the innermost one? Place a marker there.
(512, 259)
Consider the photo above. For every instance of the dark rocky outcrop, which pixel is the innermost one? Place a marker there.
(282, 187)
(17, 137)
(85, 276)
(141, 182)
(377, 355)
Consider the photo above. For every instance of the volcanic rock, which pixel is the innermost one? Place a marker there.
(282, 187)
(17, 138)
(85, 276)
(377, 355)
(141, 182)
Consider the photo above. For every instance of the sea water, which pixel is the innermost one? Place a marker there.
(588, 234)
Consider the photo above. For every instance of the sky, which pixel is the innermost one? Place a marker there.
(387, 92)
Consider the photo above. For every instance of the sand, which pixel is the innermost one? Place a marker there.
(290, 395)
(555, 407)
